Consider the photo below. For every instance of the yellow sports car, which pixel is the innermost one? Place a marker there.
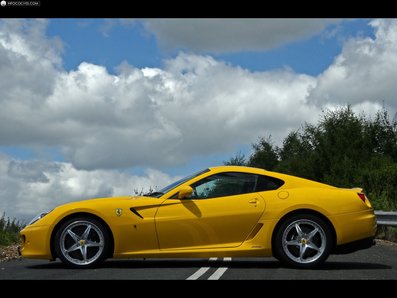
(225, 211)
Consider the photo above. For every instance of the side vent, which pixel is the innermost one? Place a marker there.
(136, 212)
(255, 231)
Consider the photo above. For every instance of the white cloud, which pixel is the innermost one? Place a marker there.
(364, 73)
(29, 187)
(233, 35)
(194, 105)
(152, 117)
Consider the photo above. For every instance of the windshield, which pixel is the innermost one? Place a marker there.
(170, 187)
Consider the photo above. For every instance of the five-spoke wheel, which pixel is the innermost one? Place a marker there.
(82, 242)
(303, 241)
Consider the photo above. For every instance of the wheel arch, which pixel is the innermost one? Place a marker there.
(305, 211)
(81, 214)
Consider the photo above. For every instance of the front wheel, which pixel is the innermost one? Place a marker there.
(82, 242)
(303, 241)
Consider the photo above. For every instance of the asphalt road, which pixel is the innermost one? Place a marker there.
(378, 262)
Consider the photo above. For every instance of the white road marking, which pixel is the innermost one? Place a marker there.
(220, 271)
(200, 272)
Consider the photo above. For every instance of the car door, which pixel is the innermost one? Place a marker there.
(221, 212)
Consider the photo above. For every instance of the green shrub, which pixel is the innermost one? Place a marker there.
(9, 231)
(387, 233)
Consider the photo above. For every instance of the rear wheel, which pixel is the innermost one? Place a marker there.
(303, 241)
(82, 242)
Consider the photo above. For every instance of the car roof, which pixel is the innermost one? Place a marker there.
(238, 169)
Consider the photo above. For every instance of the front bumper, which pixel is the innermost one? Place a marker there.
(35, 242)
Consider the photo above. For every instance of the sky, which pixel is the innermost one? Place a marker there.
(104, 107)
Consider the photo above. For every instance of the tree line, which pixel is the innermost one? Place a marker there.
(9, 230)
(343, 149)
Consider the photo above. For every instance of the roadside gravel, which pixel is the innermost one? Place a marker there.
(8, 253)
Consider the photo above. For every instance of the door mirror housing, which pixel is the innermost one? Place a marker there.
(184, 192)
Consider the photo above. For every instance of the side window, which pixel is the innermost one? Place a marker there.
(224, 184)
(268, 183)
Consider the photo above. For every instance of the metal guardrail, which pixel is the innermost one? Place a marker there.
(386, 218)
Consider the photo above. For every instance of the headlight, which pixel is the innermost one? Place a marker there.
(37, 217)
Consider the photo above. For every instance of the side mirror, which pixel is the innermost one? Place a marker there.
(184, 192)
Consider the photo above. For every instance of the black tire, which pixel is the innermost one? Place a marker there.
(303, 241)
(82, 242)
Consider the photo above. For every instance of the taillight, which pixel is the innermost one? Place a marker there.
(362, 196)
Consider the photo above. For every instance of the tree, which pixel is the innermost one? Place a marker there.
(238, 160)
(296, 156)
(265, 154)
(381, 135)
(339, 147)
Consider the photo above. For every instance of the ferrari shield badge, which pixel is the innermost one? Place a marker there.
(118, 211)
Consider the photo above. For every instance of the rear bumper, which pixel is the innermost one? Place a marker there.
(355, 245)
(354, 226)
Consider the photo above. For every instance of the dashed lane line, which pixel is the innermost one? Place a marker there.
(220, 271)
(216, 275)
(200, 272)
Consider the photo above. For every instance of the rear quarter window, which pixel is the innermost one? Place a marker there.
(265, 183)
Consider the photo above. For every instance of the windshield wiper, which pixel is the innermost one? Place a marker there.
(153, 194)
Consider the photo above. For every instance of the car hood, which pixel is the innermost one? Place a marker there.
(108, 201)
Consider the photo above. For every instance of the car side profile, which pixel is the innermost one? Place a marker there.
(225, 211)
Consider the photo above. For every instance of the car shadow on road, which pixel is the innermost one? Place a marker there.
(192, 263)
(352, 266)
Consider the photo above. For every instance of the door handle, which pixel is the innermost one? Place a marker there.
(253, 201)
